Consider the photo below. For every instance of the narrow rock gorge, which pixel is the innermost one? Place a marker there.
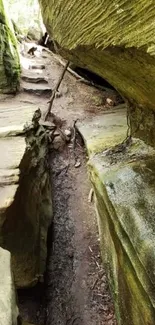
(52, 218)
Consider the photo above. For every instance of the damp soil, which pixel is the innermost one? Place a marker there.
(77, 287)
(75, 290)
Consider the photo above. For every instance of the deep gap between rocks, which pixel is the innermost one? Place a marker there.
(76, 289)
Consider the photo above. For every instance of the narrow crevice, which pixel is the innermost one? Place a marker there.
(91, 76)
(77, 290)
(31, 304)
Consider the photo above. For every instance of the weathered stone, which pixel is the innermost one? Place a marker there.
(37, 89)
(13, 118)
(25, 199)
(104, 131)
(8, 307)
(115, 39)
(123, 179)
(33, 79)
(125, 203)
(9, 60)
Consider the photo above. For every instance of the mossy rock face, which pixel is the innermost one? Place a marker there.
(123, 178)
(124, 189)
(9, 60)
(116, 40)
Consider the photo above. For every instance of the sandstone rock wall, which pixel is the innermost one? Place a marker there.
(25, 200)
(115, 39)
(9, 60)
(123, 179)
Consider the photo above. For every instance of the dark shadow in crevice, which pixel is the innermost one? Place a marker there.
(91, 76)
(31, 302)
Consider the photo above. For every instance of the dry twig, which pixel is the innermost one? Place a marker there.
(55, 90)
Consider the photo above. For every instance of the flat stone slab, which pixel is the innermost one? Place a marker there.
(37, 89)
(14, 116)
(12, 151)
(35, 78)
(103, 131)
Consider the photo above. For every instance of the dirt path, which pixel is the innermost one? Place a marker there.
(78, 291)
(76, 288)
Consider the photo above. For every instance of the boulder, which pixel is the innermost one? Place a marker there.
(8, 307)
(123, 178)
(116, 40)
(9, 60)
(25, 193)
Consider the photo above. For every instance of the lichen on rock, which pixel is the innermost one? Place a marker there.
(123, 176)
(125, 203)
(9, 59)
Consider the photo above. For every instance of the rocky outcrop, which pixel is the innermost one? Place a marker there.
(115, 39)
(25, 200)
(123, 178)
(9, 60)
(8, 307)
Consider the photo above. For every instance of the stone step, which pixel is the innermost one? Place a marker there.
(36, 89)
(37, 66)
(34, 78)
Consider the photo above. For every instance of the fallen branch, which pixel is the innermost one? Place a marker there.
(76, 75)
(55, 90)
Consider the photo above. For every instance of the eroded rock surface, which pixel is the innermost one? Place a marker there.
(25, 200)
(8, 307)
(123, 179)
(9, 60)
(115, 39)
